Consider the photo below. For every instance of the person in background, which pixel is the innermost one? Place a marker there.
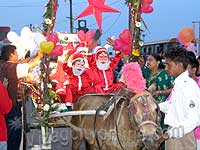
(159, 83)
(13, 71)
(5, 107)
(198, 72)
(145, 70)
(192, 68)
(182, 110)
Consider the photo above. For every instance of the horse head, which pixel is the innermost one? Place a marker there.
(144, 113)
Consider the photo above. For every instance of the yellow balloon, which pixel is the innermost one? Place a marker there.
(46, 47)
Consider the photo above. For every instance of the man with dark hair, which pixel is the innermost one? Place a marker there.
(12, 71)
(182, 110)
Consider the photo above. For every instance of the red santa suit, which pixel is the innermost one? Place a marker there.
(105, 74)
(78, 85)
(59, 77)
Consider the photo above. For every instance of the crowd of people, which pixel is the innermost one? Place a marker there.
(174, 83)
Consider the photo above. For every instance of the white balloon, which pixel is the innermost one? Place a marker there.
(12, 37)
(26, 32)
(38, 38)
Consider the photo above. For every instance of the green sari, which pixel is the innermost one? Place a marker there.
(163, 81)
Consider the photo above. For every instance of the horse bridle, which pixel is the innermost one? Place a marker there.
(148, 119)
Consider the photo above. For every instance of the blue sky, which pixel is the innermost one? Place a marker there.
(168, 17)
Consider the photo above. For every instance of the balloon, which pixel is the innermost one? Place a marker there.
(53, 38)
(38, 38)
(126, 49)
(117, 44)
(146, 8)
(125, 36)
(12, 37)
(89, 35)
(147, 1)
(186, 35)
(81, 35)
(46, 47)
(26, 32)
(57, 50)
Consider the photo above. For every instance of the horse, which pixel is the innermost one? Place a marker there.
(133, 123)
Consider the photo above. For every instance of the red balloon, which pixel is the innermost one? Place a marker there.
(53, 38)
(125, 36)
(89, 35)
(186, 35)
(81, 35)
(57, 51)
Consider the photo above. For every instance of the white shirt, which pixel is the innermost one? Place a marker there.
(183, 108)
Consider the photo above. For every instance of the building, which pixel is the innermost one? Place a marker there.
(159, 47)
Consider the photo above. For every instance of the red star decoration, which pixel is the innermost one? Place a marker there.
(97, 7)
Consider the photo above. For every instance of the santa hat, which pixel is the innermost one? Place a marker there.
(76, 57)
(99, 50)
(81, 47)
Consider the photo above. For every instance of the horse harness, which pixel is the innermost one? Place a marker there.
(142, 102)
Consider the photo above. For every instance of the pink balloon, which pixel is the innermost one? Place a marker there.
(57, 51)
(126, 49)
(147, 1)
(146, 8)
(125, 36)
(53, 38)
(118, 44)
(89, 35)
(81, 35)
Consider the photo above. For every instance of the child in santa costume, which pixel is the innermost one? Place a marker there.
(103, 67)
(59, 77)
(80, 81)
(83, 49)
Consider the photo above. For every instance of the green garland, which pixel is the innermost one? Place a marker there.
(135, 28)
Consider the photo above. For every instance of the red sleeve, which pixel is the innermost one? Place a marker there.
(115, 61)
(66, 68)
(91, 60)
(5, 101)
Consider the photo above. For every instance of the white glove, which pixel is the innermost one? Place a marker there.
(176, 132)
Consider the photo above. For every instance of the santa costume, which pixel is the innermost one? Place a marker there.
(80, 81)
(103, 67)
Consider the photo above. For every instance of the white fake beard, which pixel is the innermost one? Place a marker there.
(77, 71)
(103, 66)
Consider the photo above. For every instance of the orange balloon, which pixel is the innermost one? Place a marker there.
(186, 35)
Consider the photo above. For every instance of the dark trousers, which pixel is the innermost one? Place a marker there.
(14, 126)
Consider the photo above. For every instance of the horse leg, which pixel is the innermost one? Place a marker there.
(77, 138)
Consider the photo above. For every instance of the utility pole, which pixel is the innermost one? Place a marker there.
(198, 39)
(71, 17)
